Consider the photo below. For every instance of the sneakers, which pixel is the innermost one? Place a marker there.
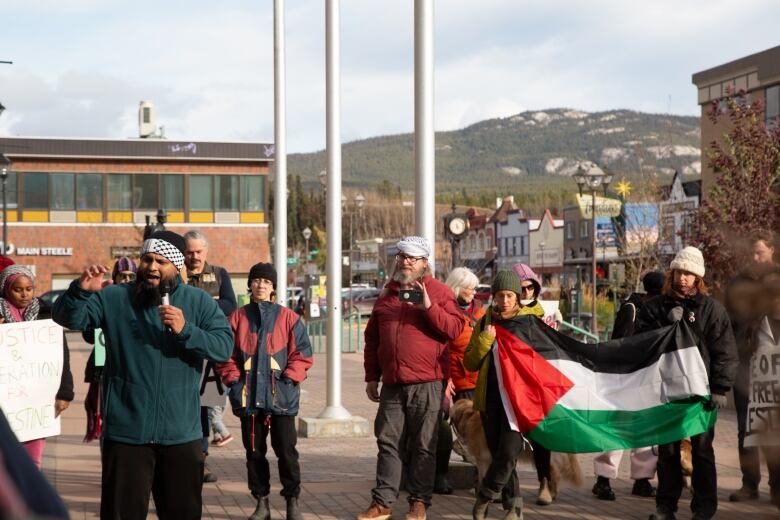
(603, 490)
(643, 488)
(376, 511)
(743, 494)
(545, 497)
(662, 515)
(416, 510)
(219, 442)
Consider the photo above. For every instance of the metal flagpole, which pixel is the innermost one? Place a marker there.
(424, 139)
(333, 407)
(280, 156)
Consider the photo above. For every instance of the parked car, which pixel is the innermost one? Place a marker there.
(483, 292)
(47, 300)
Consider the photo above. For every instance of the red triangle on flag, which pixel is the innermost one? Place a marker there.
(531, 384)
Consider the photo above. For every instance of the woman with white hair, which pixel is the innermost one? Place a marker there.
(462, 382)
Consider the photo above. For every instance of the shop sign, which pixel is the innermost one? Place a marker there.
(41, 251)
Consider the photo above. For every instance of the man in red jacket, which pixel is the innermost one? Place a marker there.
(406, 349)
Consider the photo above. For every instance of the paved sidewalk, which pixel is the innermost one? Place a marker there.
(338, 473)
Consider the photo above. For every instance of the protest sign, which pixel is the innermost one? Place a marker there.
(30, 372)
(100, 348)
(763, 417)
(551, 313)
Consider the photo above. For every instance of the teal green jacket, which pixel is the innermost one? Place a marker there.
(152, 376)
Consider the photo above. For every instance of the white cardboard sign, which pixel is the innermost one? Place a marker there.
(30, 372)
(212, 391)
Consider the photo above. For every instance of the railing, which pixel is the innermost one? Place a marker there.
(352, 327)
(578, 330)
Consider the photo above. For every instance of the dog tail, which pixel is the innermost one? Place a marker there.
(569, 467)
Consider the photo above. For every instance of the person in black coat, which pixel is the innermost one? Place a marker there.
(684, 296)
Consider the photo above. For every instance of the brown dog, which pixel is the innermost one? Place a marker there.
(471, 444)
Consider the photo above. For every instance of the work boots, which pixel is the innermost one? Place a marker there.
(262, 511)
(293, 509)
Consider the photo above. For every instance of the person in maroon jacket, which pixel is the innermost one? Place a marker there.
(412, 321)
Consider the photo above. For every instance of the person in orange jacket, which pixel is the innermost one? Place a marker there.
(462, 382)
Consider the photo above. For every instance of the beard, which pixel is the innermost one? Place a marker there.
(145, 295)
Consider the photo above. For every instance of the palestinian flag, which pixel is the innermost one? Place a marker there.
(642, 390)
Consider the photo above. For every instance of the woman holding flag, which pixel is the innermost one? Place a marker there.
(505, 444)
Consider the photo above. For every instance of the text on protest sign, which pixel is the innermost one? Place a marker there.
(763, 417)
(30, 372)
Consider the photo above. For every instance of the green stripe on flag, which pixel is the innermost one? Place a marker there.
(588, 431)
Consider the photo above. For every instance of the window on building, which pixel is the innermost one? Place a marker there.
(668, 229)
(773, 107)
(62, 196)
(514, 246)
(201, 193)
(251, 193)
(584, 232)
(119, 192)
(35, 190)
(472, 243)
(482, 242)
(570, 231)
(89, 191)
(226, 192)
(172, 187)
(145, 192)
(11, 189)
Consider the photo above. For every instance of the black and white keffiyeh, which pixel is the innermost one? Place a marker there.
(164, 248)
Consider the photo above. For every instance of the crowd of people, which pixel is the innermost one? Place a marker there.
(172, 316)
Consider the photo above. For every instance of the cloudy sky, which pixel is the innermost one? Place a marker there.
(81, 66)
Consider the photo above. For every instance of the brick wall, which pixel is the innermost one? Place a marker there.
(236, 248)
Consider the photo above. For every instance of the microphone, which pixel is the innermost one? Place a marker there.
(165, 290)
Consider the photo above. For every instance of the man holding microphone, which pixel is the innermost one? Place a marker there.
(152, 434)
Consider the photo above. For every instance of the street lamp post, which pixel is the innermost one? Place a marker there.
(541, 247)
(592, 177)
(6, 162)
(359, 201)
(306, 236)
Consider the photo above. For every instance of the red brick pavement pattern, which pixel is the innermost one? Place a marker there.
(338, 473)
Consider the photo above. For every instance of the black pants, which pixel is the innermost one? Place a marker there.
(704, 478)
(173, 474)
(406, 429)
(542, 457)
(749, 461)
(284, 437)
(205, 428)
(505, 446)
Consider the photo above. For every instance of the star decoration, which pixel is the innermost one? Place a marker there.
(623, 188)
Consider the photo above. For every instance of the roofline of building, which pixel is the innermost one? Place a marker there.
(764, 60)
(135, 149)
(139, 139)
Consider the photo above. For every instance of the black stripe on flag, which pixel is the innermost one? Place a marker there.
(619, 356)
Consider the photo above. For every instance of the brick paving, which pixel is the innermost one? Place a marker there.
(338, 473)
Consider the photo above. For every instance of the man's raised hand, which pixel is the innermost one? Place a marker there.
(92, 278)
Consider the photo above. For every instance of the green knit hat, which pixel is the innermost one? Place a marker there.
(506, 281)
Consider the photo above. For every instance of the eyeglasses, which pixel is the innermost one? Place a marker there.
(125, 276)
(527, 288)
(403, 258)
(261, 281)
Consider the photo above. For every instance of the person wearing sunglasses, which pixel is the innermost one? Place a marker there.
(530, 289)
(406, 351)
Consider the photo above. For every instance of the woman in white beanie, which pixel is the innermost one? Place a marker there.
(684, 297)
